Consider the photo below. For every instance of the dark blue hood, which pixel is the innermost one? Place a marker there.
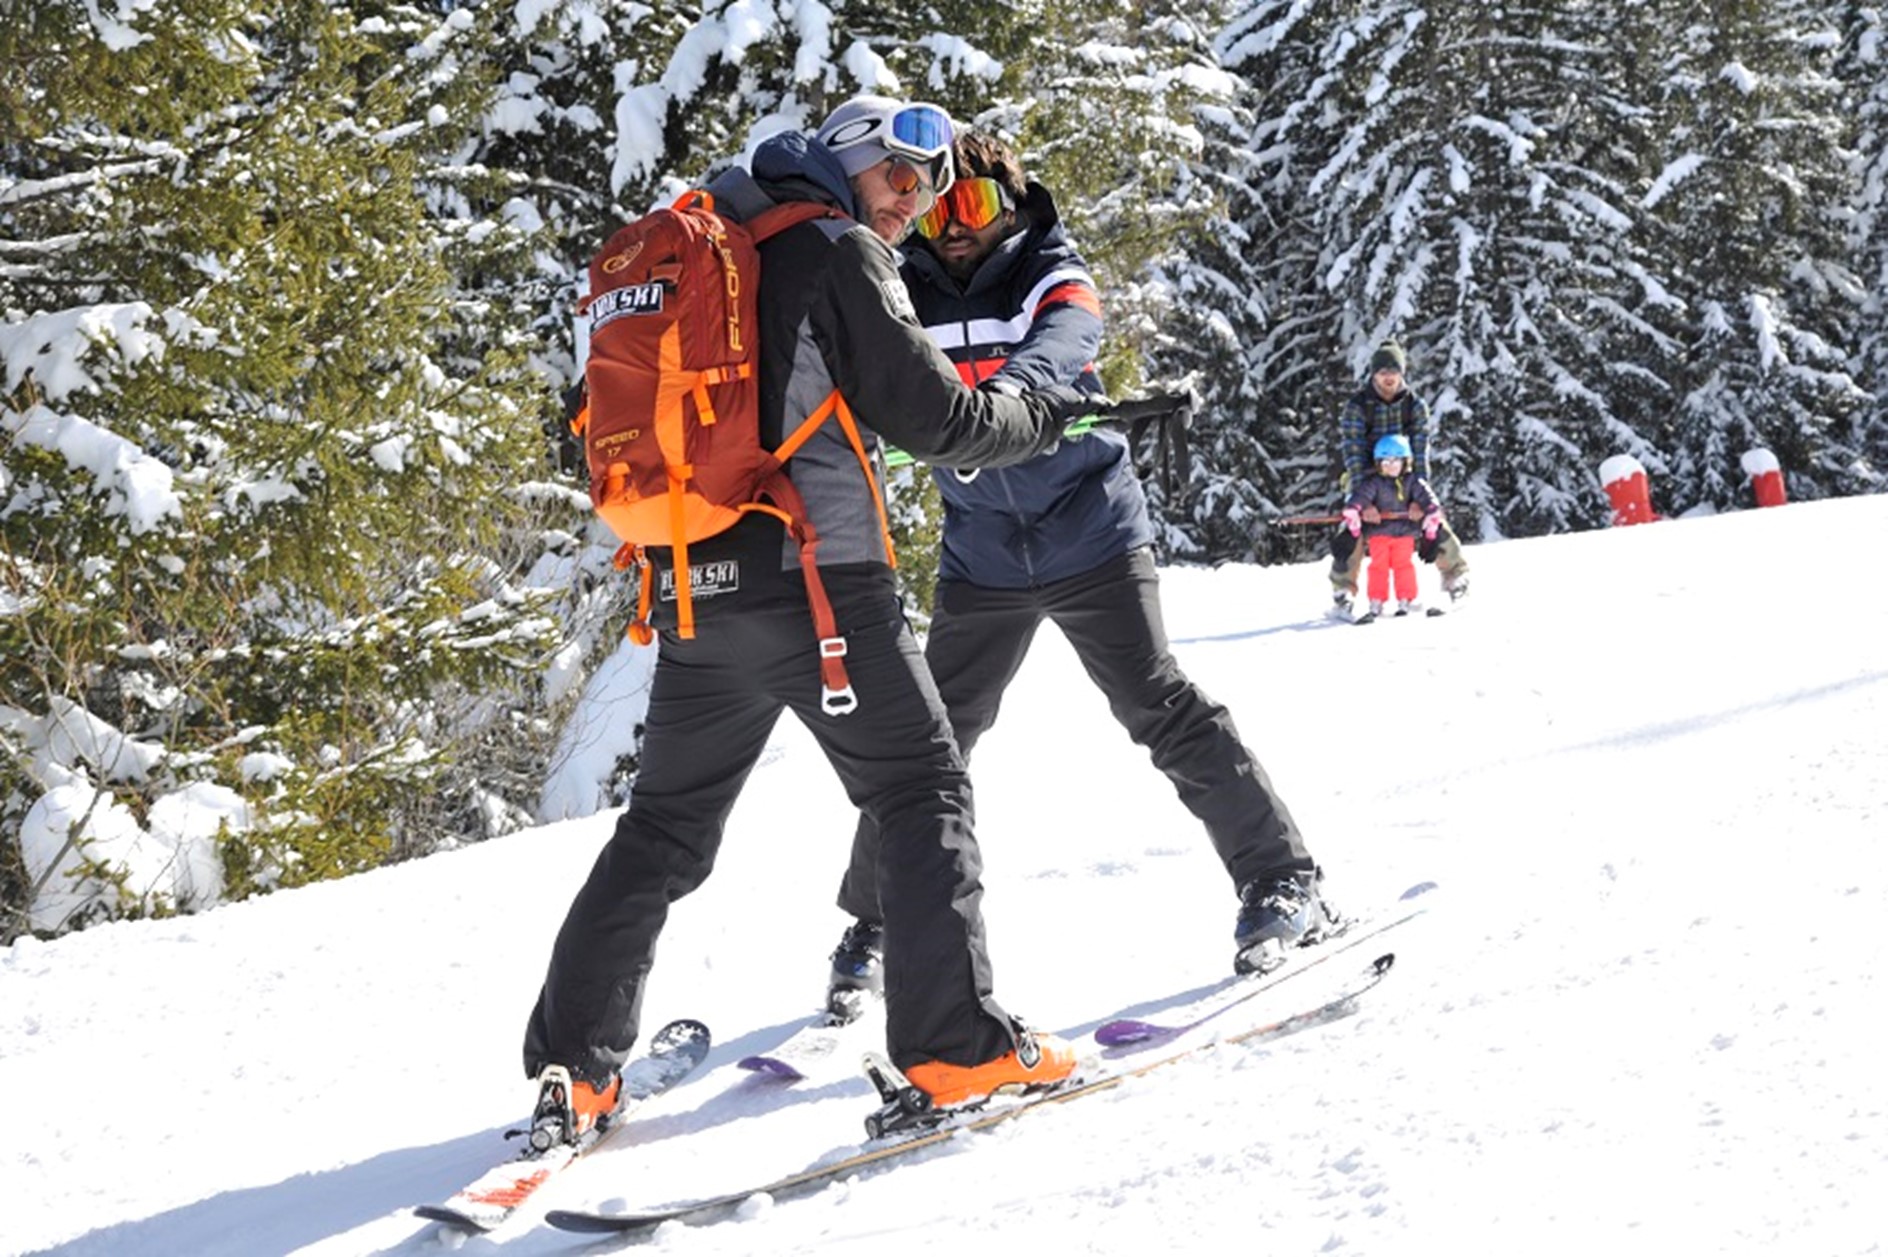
(792, 157)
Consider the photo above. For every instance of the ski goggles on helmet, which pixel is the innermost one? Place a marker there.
(976, 203)
(922, 131)
(921, 134)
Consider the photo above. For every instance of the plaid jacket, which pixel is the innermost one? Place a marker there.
(1367, 418)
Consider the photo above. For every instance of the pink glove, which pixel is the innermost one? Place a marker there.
(1432, 524)
(1354, 521)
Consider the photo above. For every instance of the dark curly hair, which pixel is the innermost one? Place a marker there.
(979, 154)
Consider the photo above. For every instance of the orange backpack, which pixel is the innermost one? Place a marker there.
(671, 427)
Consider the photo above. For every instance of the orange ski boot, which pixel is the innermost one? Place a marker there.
(1037, 1060)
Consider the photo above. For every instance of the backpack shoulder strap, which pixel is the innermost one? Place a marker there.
(773, 221)
(769, 222)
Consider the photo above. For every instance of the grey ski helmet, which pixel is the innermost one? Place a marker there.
(868, 129)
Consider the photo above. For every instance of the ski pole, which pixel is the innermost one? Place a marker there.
(896, 458)
(1296, 521)
(1168, 407)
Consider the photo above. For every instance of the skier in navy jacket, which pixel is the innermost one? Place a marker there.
(1063, 536)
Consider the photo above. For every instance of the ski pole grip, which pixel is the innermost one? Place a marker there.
(1154, 406)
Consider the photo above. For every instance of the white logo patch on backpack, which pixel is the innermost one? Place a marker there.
(619, 302)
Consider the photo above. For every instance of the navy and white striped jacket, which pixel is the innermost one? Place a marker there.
(1029, 317)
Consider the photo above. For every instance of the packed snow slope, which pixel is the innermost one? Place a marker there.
(1646, 768)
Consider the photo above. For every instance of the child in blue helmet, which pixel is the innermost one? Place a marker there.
(1393, 504)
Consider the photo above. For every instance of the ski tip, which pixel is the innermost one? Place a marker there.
(584, 1223)
(770, 1067)
(1418, 890)
(1123, 1031)
(682, 1034)
(447, 1216)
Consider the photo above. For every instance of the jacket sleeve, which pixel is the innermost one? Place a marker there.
(1421, 427)
(1064, 329)
(899, 383)
(1351, 435)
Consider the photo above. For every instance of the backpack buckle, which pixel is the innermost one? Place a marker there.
(837, 702)
(832, 647)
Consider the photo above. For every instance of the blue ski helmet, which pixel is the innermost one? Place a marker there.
(1394, 445)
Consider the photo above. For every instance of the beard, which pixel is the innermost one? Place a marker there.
(890, 226)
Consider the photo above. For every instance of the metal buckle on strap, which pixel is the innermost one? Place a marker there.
(838, 702)
(832, 647)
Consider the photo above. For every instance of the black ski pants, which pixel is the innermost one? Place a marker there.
(1111, 616)
(712, 704)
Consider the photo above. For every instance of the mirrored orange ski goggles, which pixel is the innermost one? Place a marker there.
(976, 203)
(904, 178)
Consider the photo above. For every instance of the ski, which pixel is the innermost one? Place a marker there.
(1452, 601)
(821, 1049)
(486, 1202)
(950, 1123)
(1418, 613)
(1128, 1034)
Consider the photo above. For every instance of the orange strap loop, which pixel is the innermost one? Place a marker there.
(851, 429)
(679, 474)
(835, 405)
(837, 696)
(639, 630)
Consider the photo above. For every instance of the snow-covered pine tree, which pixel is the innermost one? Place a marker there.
(1459, 178)
(1755, 179)
(605, 111)
(1129, 125)
(1863, 68)
(254, 458)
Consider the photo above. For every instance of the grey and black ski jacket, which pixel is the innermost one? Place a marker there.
(835, 315)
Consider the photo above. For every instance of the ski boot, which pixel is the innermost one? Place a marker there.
(858, 972)
(569, 1112)
(1276, 914)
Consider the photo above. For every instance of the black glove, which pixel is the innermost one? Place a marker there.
(1426, 548)
(1063, 405)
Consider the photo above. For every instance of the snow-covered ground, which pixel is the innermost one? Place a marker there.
(1646, 767)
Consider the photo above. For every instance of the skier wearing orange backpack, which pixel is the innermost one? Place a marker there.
(835, 330)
